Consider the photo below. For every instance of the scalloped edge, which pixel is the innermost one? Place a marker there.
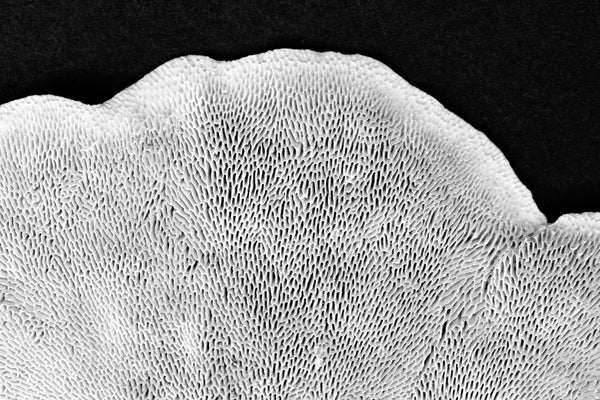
(126, 103)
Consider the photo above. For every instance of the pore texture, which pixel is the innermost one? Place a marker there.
(291, 225)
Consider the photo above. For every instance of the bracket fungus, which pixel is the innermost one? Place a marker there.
(290, 225)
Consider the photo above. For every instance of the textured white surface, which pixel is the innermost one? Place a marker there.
(291, 225)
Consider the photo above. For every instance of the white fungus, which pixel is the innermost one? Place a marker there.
(290, 225)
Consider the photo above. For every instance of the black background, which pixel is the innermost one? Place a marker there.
(524, 75)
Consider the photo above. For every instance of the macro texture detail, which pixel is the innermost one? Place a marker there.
(290, 225)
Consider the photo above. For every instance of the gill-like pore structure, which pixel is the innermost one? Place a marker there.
(290, 225)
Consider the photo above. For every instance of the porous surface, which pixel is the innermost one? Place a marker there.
(291, 225)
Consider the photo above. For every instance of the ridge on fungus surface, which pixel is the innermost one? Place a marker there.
(291, 224)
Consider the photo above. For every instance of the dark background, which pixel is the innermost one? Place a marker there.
(523, 75)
